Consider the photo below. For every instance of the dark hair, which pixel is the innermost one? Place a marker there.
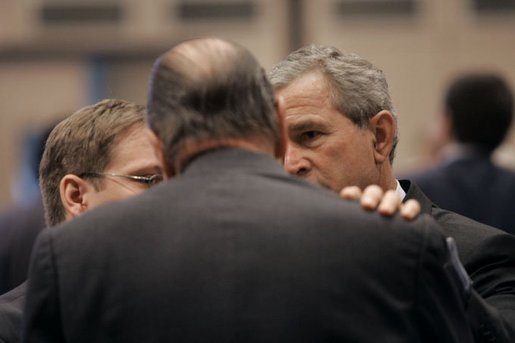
(480, 107)
(209, 88)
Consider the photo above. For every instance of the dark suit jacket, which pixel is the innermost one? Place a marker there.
(488, 255)
(236, 250)
(11, 305)
(474, 187)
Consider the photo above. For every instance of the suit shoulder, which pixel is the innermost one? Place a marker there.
(475, 241)
(455, 224)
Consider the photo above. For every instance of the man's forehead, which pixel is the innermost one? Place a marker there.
(304, 121)
(313, 82)
(134, 150)
(306, 96)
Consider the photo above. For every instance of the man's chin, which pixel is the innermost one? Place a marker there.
(321, 183)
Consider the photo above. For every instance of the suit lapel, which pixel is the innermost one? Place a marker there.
(414, 192)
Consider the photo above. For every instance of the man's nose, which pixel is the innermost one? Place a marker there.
(294, 161)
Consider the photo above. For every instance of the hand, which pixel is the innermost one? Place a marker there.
(387, 204)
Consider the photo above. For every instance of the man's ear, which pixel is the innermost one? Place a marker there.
(159, 151)
(383, 128)
(280, 146)
(73, 190)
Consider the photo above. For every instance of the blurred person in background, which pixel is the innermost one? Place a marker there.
(99, 154)
(478, 111)
(20, 224)
(342, 131)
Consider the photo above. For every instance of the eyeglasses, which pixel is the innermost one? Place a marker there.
(149, 181)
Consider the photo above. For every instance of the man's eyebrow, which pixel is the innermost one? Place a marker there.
(305, 125)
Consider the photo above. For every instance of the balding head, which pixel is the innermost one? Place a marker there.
(202, 59)
(209, 89)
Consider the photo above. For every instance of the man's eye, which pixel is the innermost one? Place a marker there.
(155, 179)
(152, 180)
(309, 135)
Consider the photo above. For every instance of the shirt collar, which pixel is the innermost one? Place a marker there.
(400, 192)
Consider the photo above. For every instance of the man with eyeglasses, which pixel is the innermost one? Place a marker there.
(99, 154)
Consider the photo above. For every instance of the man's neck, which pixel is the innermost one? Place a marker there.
(193, 148)
(386, 179)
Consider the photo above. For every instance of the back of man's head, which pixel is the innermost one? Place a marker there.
(80, 143)
(480, 109)
(209, 89)
(359, 89)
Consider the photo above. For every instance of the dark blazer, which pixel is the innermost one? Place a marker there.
(488, 255)
(474, 187)
(236, 250)
(11, 305)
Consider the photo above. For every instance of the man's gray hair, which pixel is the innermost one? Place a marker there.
(358, 89)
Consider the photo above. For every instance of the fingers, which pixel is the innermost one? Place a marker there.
(390, 203)
(351, 193)
(387, 203)
(371, 198)
(410, 209)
